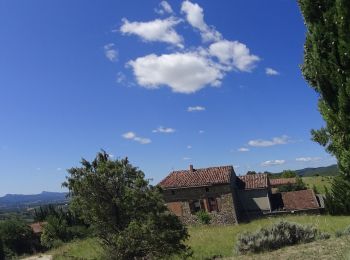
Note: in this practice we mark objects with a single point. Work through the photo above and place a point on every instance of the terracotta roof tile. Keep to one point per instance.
(297, 200)
(254, 181)
(198, 177)
(282, 181)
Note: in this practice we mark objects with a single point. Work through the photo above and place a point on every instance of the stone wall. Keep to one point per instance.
(226, 213)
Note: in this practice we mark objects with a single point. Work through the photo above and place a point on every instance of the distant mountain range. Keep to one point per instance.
(331, 170)
(19, 201)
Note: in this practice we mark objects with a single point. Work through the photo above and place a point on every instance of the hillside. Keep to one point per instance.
(331, 170)
(12, 201)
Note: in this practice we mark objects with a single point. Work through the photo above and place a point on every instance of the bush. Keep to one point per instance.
(203, 217)
(277, 236)
(299, 185)
(345, 232)
(17, 238)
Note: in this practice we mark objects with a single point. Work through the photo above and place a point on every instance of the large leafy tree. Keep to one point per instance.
(327, 69)
(128, 215)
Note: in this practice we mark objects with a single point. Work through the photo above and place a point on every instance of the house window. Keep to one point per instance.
(213, 204)
(196, 205)
(207, 189)
(172, 192)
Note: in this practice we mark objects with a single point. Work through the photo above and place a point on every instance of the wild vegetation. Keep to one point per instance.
(209, 241)
(277, 236)
(127, 214)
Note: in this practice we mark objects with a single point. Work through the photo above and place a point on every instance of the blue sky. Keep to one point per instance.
(167, 84)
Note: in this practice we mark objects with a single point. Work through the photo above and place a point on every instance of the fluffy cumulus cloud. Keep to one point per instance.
(190, 69)
(156, 30)
(271, 72)
(182, 72)
(243, 149)
(196, 109)
(273, 163)
(134, 137)
(234, 53)
(111, 52)
(308, 159)
(284, 139)
(164, 130)
(195, 17)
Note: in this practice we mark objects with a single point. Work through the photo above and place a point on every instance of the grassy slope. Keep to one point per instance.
(319, 181)
(207, 241)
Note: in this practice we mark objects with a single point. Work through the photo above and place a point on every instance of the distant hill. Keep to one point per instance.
(13, 201)
(331, 170)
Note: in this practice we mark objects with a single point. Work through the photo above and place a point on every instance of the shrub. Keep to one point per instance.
(345, 232)
(203, 217)
(277, 236)
(17, 237)
(299, 185)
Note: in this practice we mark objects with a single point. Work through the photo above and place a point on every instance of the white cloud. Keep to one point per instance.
(273, 163)
(186, 158)
(129, 135)
(156, 30)
(165, 130)
(234, 53)
(243, 149)
(284, 139)
(182, 72)
(271, 72)
(195, 109)
(189, 146)
(308, 159)
(165, 8)
(110, 52)
(195, 17)
(58, 169)
(133, 136)
(201, 131)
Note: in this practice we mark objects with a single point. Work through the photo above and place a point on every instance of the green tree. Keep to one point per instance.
(327, 69)
(288, 174)
(128, 215)
(16, 236)
(2, 253)
(337, 198)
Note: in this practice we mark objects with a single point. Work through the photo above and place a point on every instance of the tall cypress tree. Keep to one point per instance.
(327, 69)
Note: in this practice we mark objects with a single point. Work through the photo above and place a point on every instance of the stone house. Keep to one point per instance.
(254, 194)
(227, 198)
(210, 189)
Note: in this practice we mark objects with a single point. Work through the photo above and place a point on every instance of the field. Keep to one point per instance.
(320, 182)
(209, 241)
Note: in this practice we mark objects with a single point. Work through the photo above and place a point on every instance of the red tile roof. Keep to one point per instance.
(255, 181)
(298, 200)
(198, 177)
(37, 227)
(282, 181)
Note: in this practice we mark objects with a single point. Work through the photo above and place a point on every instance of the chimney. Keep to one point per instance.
(191, 168)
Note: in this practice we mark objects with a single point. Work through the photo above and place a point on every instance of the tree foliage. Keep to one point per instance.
(16, 236)
(288, 174)
(327, 68)
(337, 200)
(298, 185)
(127, 214)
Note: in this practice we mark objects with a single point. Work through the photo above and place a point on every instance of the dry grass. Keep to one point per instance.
(209, 241)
